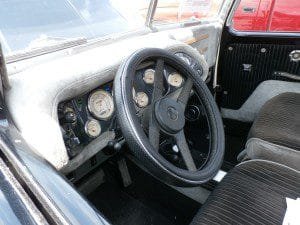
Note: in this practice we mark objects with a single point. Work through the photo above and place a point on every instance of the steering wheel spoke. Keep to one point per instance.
(158, 89)
(154, 133)
(185, 151)
(185, 92)
(158, 86)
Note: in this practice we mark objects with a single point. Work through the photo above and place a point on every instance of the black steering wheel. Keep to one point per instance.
(166, 117)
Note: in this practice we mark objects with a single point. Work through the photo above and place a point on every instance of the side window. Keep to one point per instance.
(267, 16)
(178, 11)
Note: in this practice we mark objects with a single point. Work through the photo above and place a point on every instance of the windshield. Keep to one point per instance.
(26, 24)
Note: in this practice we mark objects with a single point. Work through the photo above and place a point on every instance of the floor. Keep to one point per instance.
(235, 140)
(146, 201)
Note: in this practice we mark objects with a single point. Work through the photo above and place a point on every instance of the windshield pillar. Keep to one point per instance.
(151, 12)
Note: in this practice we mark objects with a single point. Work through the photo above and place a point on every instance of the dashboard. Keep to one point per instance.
(84, 118)
(38, 89)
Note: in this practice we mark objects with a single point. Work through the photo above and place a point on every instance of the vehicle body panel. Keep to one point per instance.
(267, 16)
(286, 16)
(15, 210)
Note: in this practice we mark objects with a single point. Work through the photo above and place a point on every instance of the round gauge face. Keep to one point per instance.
(148, 76)
(101, 104)
(175, 79)
(141, 99)
(92, 128)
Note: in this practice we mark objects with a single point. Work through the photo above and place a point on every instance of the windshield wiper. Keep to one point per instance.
(43, 45)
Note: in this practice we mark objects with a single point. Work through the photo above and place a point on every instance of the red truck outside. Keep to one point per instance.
(267, 16)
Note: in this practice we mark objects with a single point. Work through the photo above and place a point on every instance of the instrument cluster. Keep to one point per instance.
(144, 80)
(86, 117)
(145, 77)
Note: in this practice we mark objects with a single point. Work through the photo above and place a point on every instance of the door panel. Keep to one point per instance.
(245, 63)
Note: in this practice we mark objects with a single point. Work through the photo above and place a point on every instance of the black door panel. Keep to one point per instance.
(245, 62)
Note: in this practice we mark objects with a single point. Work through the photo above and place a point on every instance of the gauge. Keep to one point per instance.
(101, 104)
(148, 76)
(175, 79)
(141, 99)
(184, 57)
(92, 128)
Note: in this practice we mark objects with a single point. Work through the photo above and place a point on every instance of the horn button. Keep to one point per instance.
(170, 115)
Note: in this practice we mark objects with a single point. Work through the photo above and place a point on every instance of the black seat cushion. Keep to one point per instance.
(278, 121)
(254, 192)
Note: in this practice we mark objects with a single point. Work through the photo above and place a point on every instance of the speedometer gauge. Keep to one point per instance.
(101, 104)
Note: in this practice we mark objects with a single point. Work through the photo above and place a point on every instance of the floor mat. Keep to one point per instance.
(121, 209)
(175, 206)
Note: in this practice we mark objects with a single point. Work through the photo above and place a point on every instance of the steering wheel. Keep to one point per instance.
(166, 117)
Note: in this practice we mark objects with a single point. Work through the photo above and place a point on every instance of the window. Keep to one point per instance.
(177, 11)
(27, 24)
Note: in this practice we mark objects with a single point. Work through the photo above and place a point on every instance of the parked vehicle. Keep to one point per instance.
(267, 16)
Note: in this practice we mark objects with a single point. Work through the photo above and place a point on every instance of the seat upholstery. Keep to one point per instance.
(275, 133)
(260, 149)
(254, 192)
(278, 121)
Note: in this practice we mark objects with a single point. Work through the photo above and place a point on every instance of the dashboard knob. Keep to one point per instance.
(70, 117)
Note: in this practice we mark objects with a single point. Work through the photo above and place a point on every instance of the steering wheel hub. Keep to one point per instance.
(169, 115)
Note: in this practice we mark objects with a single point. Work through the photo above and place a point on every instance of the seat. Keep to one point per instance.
(254, 192)
(278, 121)
(275, 133)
